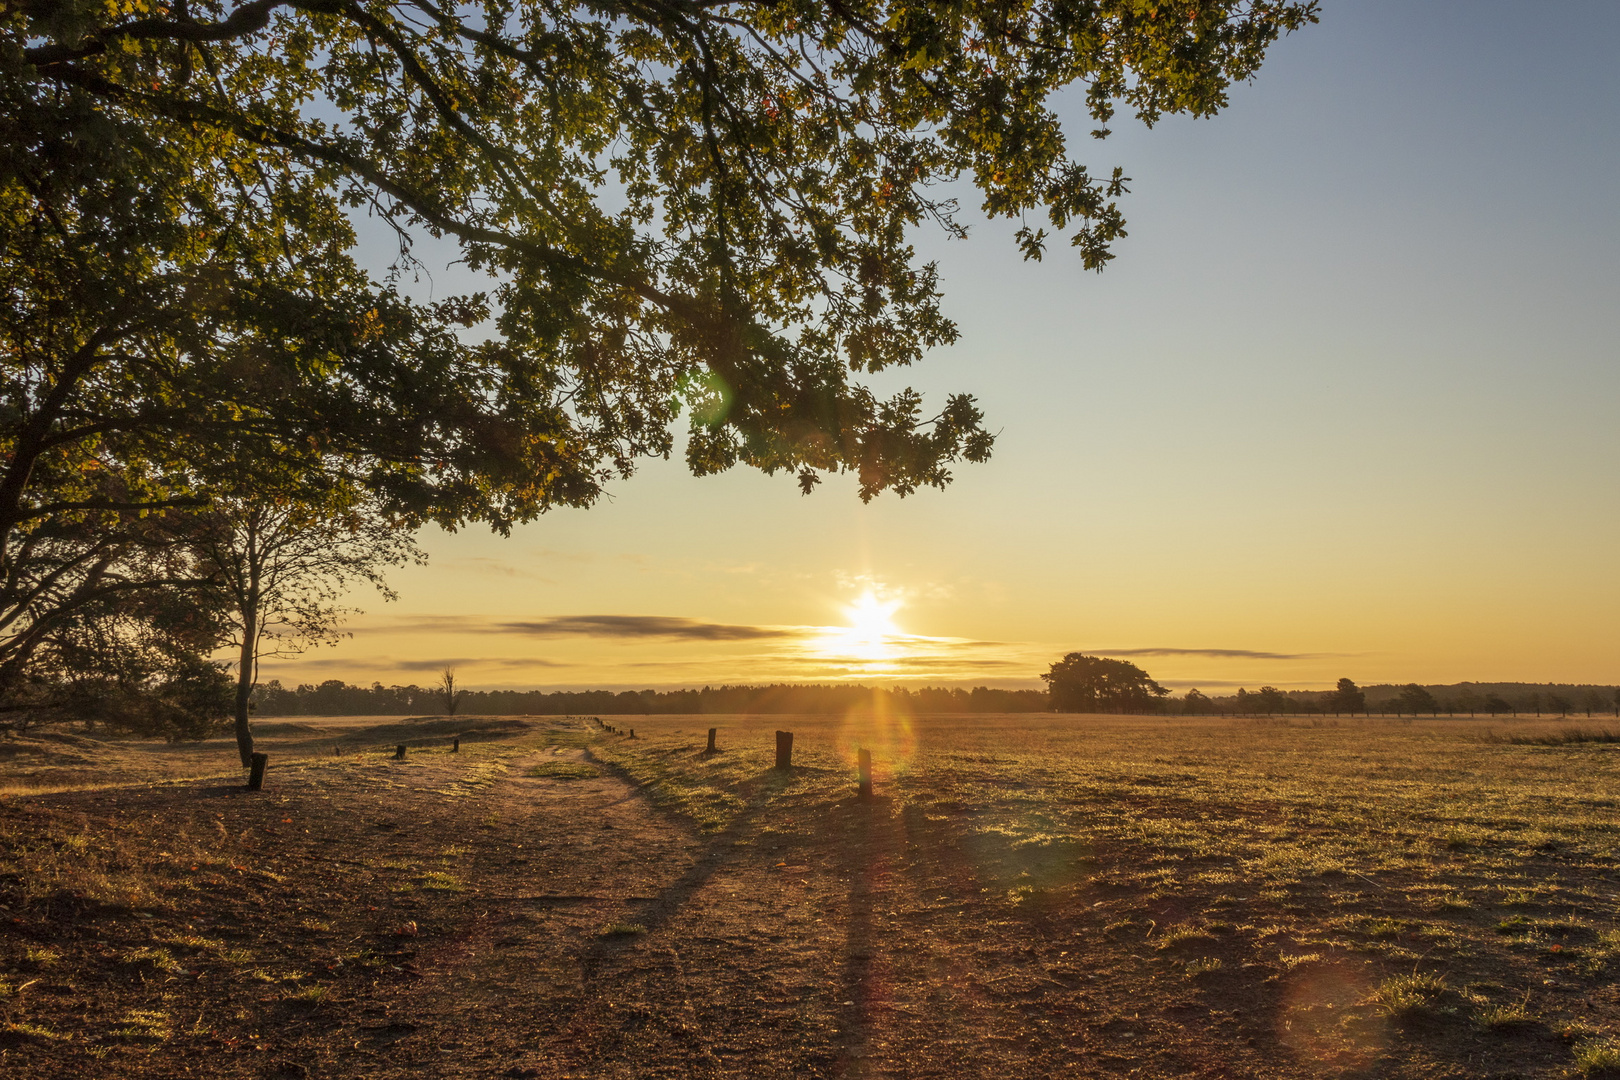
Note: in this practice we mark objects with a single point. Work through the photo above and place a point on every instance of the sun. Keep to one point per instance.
(871, 620)
(871, 638)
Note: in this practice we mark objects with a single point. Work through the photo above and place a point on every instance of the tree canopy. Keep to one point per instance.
(1348, 697)
(690, 204)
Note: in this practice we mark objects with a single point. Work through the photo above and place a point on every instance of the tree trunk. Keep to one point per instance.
(244, 688)
(247, 668)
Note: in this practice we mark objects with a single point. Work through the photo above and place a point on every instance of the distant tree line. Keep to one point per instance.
(337, 698)
(1099, 684)
(1411, 699)
(1078, 683)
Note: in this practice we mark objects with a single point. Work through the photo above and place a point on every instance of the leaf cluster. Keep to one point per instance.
(698, 205)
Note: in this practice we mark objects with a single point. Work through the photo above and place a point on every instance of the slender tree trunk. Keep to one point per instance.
(247, 668)
(244, 683)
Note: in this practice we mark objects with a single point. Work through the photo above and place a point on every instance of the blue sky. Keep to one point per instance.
(1346, 396)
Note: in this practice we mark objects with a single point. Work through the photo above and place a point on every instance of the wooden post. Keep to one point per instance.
(632, 733)
(455, 745)
(710, 748)
(399, 752)
(863, 760)
(784, 749)
(256, 773)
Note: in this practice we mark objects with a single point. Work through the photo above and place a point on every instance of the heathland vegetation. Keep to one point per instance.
(1024, 895)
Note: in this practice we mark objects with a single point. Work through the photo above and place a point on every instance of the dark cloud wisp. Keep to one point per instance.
(643, 626)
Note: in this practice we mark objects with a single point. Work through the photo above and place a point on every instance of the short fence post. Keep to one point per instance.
(632, 733)
(256, 771)
(863, 760)
(710, 748)
(784, 749)
(455, 745)
(399, 752)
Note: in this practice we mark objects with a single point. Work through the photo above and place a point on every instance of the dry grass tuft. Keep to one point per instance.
(619, 929)
(1597, 1058)
(564, 770)
(1404, 996)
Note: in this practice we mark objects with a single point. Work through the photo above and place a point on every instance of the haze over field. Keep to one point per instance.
(1344, 405)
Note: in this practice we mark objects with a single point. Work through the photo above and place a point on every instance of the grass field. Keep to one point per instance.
(1027, 895)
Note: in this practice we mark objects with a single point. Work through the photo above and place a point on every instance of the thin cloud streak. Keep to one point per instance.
(644, 626)
(1229, 654)
(386, 664)
(608, 626)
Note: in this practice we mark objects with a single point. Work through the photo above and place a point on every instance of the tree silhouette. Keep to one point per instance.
(278, 564)
(448, 694)
(1415, 699)
(1349, 698)
(1081, 683)
(1271, 701)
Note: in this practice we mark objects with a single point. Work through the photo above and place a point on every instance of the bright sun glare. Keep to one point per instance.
(870, 636)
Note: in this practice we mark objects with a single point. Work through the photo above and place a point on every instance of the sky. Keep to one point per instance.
(1344, 405)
